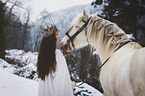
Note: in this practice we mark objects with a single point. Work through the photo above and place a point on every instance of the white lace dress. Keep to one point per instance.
(58, 83)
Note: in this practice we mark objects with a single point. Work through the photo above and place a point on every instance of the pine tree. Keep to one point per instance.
(126, 13)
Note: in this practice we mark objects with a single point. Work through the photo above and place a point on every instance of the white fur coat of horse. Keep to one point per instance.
(124, 72)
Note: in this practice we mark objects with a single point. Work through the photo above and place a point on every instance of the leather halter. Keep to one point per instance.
(71, 38)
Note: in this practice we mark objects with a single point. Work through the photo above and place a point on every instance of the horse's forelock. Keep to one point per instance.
(77, 19)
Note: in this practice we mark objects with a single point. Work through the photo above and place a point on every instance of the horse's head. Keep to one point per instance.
(75, 37)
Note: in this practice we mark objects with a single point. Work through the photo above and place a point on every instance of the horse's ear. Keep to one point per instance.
(85, 13)
(96, 13)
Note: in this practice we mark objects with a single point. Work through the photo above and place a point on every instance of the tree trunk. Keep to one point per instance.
(2, 25)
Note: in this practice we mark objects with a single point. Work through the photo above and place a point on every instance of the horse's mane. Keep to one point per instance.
(107, 36)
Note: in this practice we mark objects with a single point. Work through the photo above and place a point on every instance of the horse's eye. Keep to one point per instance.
(77, 26)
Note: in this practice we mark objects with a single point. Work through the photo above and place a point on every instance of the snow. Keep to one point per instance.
(7, 66)
(28, 57)
(85, 87)
(130, 36)
(95, 52)
(14, 85)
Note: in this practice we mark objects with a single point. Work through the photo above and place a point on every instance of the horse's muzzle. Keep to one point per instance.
(65, 48)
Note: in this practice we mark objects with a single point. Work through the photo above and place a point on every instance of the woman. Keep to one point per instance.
(51, 67)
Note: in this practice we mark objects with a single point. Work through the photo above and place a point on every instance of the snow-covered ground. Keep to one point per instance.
(86, 90)
(14, 85)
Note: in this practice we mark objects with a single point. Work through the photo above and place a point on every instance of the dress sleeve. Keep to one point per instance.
(62, 83)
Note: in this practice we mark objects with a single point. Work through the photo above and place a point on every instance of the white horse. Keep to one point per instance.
(123, 70)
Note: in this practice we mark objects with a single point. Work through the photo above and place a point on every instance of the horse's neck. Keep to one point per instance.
(106, 37)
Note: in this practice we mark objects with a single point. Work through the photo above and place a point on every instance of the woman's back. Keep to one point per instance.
(57, 83)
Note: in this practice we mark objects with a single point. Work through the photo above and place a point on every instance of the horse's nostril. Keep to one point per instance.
(61, 43)
(63, 47)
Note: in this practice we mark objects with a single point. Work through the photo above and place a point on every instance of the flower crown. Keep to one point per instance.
(49, 31)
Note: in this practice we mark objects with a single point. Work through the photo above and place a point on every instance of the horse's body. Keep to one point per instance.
(124, 72)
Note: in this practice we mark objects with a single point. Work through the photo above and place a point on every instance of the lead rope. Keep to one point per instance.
(110, 55)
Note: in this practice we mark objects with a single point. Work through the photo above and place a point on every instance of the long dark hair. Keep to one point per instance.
(46, 63)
